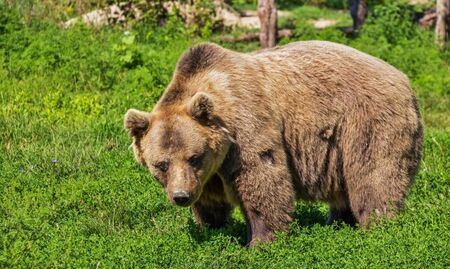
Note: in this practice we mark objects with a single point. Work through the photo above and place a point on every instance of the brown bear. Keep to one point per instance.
(310, 120)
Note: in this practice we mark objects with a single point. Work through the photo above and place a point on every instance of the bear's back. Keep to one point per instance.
(335, 66)
(320, 77)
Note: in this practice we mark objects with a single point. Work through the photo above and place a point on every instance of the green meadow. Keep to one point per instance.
(72, 195)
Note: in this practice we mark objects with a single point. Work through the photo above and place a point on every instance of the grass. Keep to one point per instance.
(306, 14)
(73, 196)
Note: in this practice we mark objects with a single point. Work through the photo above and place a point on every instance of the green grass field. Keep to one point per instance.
(73, 196)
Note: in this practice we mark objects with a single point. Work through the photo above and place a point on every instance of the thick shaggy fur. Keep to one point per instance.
(310, 120)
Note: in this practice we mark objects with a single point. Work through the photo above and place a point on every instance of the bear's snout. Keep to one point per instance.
(181, 198)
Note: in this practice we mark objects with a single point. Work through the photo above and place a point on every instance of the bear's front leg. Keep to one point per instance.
(212, 207)
(267, 200)
(258, 228)
(216, 215)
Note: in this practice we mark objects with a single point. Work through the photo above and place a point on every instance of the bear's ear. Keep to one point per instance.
(201, 106)
(136, 122)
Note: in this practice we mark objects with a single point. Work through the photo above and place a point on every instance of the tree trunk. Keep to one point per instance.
(267, 13)
(358, 10)
(442, 22)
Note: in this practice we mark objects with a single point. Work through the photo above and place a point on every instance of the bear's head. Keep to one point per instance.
(182, 145)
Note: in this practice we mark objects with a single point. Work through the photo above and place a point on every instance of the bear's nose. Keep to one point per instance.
(181, 198)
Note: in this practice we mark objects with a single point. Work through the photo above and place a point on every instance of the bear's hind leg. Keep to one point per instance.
(370, 202)
(380, 159)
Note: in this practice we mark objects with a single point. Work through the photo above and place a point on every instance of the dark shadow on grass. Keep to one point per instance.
(308, 214)
(305, 215)
(234, 229)
(348, 31)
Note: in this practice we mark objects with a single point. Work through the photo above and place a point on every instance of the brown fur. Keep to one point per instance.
(310, 120)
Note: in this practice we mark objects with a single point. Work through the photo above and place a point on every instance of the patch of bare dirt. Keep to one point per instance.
(323, 23)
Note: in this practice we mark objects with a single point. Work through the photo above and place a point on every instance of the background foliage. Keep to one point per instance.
(71, 194)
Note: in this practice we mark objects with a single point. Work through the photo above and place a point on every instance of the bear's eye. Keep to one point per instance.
(162, 166)
(195, 160)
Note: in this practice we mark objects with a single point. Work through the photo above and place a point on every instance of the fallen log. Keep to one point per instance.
(113, 14)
